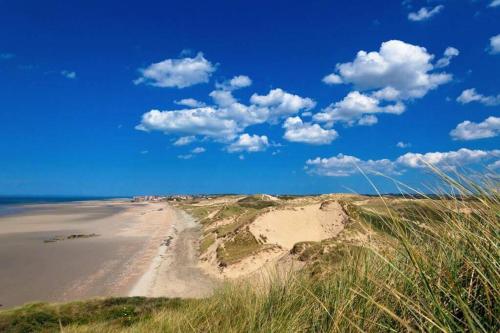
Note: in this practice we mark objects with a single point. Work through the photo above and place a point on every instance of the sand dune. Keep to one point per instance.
(276, 229)
(286, 227)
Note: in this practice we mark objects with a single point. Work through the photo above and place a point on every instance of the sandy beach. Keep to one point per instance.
(70, 251)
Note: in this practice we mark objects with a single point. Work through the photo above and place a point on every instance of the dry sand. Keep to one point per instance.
(286, 227)
(174, 272)
(280, 229)
(132, 238)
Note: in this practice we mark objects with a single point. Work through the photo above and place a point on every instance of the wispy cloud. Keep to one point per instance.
(68, 74)
(198, 150)
(494, 3)
(191, 102)
(471, 95)
(425, 13)
(184, 140)
(402, 144)
(6, 56)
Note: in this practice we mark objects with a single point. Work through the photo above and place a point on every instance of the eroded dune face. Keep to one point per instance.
(287, 227)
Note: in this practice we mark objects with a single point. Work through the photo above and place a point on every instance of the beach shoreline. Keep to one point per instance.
(79, 250)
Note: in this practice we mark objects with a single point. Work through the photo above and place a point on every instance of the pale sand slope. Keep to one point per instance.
(174, 272)
(107, 265)
(282, 227)
(286, 227)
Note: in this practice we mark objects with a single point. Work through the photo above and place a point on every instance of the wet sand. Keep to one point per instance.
(110, 264)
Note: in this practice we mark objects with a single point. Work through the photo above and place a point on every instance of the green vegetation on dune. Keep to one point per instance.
(256, 202)
(235, 241)
(114, 312)
(229, 211)
(241, 246)
(240, 221)
(199, 213)
(437, 272)
(206, 241)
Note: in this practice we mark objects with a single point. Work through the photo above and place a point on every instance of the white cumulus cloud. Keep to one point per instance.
(223, 98)
(180, 73)
(469, 130)
(249, 143)
(237, 82)
(201, 121)
(345, 165)
(298, 131)
(398, 71)
(281, 104)
(191, 102)
(354, 108)
(402, 66)
(368, 120)
(332, 79)
(494, 44)
(225, 120)
(471, 95)
(449, 53)
(447, 160)
(425, 13)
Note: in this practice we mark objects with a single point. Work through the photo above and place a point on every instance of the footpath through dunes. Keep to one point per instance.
(174, 272)
(247, 235)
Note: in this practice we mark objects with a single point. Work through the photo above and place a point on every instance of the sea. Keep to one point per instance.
(10, 205)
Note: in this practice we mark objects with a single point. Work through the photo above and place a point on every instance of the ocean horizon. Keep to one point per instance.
(10, 205)
(41, 199)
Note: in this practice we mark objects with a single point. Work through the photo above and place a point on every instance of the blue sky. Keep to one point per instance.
(284, 97)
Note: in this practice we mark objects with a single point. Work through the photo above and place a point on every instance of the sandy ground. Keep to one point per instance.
(279, 229)
(175, 271)
(286, 227)
(133, 237)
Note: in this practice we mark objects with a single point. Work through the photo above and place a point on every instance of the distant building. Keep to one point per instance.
(158, 198)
